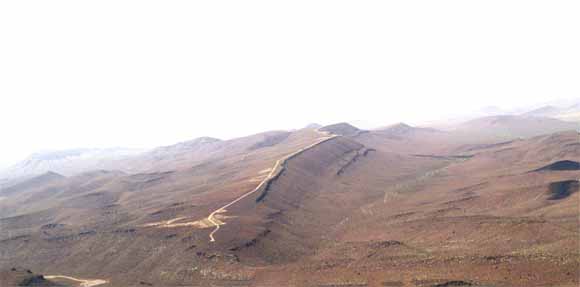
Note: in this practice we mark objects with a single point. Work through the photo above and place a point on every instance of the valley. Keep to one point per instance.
(328, 206)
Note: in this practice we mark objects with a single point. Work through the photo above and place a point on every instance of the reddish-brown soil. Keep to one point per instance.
(399, 206)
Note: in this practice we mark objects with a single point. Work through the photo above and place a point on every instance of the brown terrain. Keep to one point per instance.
(20, 277)
(493, 203)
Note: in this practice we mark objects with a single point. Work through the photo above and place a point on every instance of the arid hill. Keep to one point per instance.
(511, 126)
(343, 129)
(400, 206)
(67, 162)
(19, 277)
(545, 111)
(566, 113)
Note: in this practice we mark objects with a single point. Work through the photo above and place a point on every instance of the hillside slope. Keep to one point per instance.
(401, 206)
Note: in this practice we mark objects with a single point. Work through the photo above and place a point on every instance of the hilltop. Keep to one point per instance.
(395, 206)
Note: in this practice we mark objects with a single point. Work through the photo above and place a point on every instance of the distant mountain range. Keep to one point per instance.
(539, 121)
(564, 110)
(68, 162)
(567, 113)
(327, 206)
(512, 126)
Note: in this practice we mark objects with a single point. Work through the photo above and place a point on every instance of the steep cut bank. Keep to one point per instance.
(282, 165)
(291, 204)
(561, 165)
(562, 189)
(264, 185)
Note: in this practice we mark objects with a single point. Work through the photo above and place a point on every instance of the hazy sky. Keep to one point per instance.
(148, 73)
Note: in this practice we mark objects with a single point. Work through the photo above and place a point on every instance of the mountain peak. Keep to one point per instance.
(190, 143)
(400, 125)
(313, 126)
(398, 128)
(51, 174)
(343, 129)
(543, 111)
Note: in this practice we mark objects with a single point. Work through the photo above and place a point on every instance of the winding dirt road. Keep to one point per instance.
(83, 282)
(277, 168)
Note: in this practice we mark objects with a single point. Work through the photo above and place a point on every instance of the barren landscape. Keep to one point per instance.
(259, 143)
(329, 206)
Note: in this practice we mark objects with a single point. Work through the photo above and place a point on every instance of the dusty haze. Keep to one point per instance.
(141, 74)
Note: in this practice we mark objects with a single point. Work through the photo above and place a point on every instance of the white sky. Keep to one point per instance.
(148, 73)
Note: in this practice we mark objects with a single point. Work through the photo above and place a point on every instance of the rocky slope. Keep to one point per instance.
(401, 206)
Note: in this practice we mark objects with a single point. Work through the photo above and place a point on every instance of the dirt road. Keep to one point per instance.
(277, 168)
(82, 282)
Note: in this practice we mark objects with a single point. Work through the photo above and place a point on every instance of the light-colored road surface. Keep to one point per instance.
(279, 164)
(82, 282)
